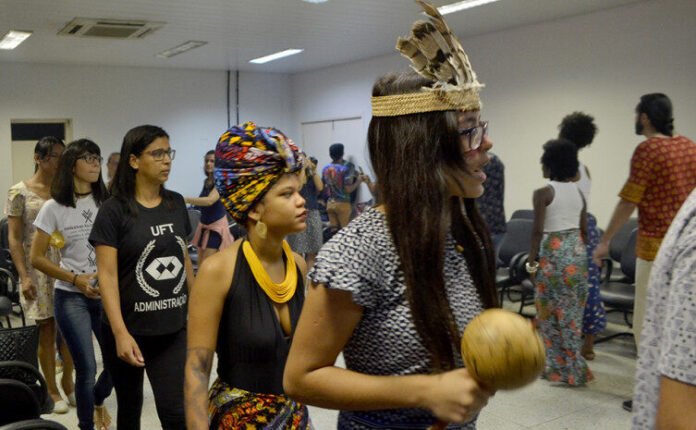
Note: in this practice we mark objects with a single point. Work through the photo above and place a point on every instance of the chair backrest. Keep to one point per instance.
(628, 256)
(36, 424)
(7, 263)
(32, 378)
(523, 214)
(20, 344)
(24, 405)
(618, 242)
(517, 239)
(194, 216)
(4, 234)
(237, 230)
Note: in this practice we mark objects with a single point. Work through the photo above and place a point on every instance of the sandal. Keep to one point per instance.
(102, 419)
(589, 355)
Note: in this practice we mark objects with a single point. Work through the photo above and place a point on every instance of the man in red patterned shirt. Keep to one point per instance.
(663, 173)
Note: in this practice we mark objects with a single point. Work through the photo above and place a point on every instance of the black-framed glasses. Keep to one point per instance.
(91, 158)
(475, 135)
(158, 154)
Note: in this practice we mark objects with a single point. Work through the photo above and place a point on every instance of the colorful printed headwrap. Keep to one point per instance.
(248, 161)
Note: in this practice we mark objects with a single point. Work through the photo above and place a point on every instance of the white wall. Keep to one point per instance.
(599, 63)
(265, 99)
(105, 102)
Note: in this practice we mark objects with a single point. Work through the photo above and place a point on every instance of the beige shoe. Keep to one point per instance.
(102, 419)
(60, 407)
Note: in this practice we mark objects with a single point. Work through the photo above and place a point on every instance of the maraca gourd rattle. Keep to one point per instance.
(502, 351)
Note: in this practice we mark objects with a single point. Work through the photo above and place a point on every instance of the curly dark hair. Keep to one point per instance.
(579, 128)
(561, 159)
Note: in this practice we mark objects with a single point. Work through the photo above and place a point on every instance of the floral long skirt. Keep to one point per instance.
(595, 316)
(234, 409)
(561, 293)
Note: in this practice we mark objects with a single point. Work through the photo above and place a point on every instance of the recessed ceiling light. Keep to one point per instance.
(13, 38)
(277, 55)
(186, 46)
(461, 5)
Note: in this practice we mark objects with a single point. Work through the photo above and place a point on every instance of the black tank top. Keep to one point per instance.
(252, 347)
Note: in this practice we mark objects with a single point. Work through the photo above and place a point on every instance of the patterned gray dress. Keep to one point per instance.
(361, 259)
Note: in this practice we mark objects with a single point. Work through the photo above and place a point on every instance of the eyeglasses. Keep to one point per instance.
(91, 158)
(475, 135)
(158, 154)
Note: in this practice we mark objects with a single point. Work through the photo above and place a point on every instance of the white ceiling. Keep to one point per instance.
(336, 32)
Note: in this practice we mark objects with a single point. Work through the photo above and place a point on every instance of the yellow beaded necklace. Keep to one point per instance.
(279, 293)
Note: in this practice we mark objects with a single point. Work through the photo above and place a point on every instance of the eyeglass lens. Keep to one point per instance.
(158, 154)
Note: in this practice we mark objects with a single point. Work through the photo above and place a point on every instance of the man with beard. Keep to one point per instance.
(663, 174)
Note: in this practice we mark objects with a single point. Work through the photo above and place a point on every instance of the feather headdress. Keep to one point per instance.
(435, 53)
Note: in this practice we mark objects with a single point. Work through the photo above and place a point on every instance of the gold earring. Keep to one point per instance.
(261, 229)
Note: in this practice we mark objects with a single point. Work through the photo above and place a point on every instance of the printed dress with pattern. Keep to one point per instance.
(25, 204)
(561, 293)
(362, 259)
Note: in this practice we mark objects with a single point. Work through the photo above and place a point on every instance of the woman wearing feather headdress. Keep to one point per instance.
(395, 288)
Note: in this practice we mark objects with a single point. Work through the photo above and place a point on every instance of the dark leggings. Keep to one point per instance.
(165, 356)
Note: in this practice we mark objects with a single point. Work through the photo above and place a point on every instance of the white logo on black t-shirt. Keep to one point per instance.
(160, 269)
(164, 268)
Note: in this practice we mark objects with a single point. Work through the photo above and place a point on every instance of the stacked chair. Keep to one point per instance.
(9, 285)
(617, 290)
(512, 277)
(23, 393)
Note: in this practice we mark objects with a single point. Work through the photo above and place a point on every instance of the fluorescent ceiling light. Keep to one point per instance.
(277, 55)
(187, 46)
(461, 5)
(315, 1)
(13, 38)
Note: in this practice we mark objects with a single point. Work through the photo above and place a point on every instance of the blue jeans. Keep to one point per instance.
(78, 317)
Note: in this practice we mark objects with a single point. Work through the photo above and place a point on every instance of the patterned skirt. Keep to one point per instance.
(561, 293)
(595, 317)
(231, 408)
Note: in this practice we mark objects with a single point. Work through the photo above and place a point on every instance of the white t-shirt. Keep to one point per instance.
(668, 340)
(75, 224)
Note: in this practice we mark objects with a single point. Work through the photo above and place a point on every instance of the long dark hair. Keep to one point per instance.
(63, 186)
(209, 179)
(658, 108)
(123, 183)
(44, 147)
(410, 155)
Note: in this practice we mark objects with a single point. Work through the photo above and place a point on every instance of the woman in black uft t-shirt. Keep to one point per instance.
(144, 274)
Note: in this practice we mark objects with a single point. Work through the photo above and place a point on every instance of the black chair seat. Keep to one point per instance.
(514, 246)
(618, 295)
